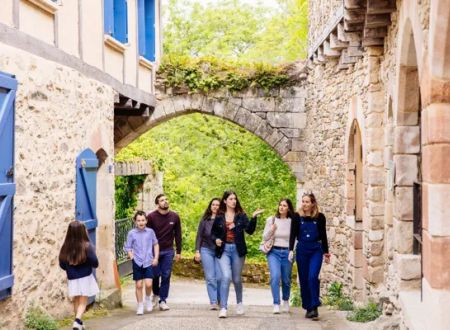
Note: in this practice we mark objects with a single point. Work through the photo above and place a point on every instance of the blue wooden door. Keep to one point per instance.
(8, 87)
(86, 191)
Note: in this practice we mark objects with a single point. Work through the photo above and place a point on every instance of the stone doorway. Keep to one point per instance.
(407, 161)
(355, 202)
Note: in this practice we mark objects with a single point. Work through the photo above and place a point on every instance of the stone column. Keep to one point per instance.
(373, 213)
(436, 211)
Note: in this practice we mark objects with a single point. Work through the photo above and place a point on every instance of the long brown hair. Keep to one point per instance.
(315, 207)
(76, 243)
(208, 212)
(223, 208)
(291, 211)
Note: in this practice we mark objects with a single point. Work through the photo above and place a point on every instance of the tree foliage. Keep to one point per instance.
(201, 157)
(234, 29)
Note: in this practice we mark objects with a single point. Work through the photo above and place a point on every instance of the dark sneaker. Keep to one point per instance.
(308, 314)
(315, 314)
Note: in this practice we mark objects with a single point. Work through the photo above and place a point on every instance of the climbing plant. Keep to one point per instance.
(127, 188)
(208, 74)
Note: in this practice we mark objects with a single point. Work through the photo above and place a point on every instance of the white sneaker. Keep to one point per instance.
(140, 309)
(276, 309)
(148, 304)
(77, 326)
(285, 307)
(223, 313)
(213, 307)
(163, 306)
(240, 309)
(155, 300)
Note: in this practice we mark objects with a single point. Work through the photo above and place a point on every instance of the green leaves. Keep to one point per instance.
(202, 156)
(236, 30)
(208, 74)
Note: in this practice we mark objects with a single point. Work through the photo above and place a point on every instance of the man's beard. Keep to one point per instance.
(165, 208)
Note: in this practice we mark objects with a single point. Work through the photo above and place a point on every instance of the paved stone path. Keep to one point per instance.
(189, 310)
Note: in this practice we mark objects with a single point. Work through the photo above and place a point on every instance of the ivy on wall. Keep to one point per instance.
(210, 74)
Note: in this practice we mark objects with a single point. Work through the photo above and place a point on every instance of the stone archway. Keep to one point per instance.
(355, 202)
(278, 118)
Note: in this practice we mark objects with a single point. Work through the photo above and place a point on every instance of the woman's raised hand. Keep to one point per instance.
(257, 212)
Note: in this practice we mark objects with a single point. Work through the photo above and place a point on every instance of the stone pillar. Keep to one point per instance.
(436, 211)
(373, 213)
(106, 229)
(153, 185)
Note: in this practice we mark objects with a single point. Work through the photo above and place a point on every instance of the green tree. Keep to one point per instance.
(202, 156)
(236, 30)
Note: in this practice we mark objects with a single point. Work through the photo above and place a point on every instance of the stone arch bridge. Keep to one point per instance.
(277, 117)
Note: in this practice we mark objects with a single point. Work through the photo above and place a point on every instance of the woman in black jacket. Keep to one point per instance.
(205, 252)
(228, 235)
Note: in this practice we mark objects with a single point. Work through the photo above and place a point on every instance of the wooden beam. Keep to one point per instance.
(379, 32)
(349, 27)
(328, 52)
(354, 4)
(335, 43)
(374, 21)
(380, 6)
(355, 15)
(372, 42)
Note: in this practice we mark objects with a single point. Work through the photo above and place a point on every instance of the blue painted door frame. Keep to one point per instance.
(86, 191)
(8, 87)
(86, 194)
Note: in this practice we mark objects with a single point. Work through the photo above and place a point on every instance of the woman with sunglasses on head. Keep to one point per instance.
(228, 234)
(309, 229)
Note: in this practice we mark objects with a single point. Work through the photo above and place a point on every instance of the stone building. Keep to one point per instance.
(70, 69)
(375, 150)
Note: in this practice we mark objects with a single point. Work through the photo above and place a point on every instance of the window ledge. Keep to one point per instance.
(145, 63)
(115, 44)
(46, 5)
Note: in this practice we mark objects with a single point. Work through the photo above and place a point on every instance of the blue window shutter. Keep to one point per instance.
(109, 17)
(121, 20)
(150, 29)
(146, 29)
(8, 87)
(141, 27)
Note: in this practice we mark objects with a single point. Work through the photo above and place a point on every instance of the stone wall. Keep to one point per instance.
(331, 93)
(320, 12)
(253, 272)
(59, 113)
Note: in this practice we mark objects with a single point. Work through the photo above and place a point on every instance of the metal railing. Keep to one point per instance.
(123, 226)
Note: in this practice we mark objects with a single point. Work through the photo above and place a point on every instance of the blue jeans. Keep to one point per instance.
(212, 272)
(309, 261)
(280, 269)
(231, 266)
(162, 272)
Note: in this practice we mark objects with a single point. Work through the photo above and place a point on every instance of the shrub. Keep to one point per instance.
(38, 319)
(296, 299)
(365, 314)
(336, 298)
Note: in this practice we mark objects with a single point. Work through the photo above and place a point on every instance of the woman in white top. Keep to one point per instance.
(279, 228)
